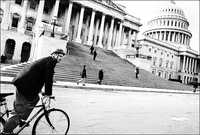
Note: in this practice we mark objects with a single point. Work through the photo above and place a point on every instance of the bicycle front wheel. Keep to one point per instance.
(2, 122)
(59, 120)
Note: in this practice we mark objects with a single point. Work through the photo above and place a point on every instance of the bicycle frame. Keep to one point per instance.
(27, 123)
(7, 111)
(42, 109)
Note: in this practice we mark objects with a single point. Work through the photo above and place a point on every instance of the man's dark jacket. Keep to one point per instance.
(31, 79)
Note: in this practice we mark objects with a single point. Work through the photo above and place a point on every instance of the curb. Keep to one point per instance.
(8, 80)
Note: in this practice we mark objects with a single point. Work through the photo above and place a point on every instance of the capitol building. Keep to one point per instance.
(166, 43)
(31, 29)
(101, 23)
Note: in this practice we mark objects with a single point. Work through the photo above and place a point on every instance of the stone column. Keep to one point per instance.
(190, 65)
(129, 38)
(110, 34)
(122, 36)
(39, 16)
(136, 33)
(173, 37)
(96, 31)
(37, 31)
(169, 35)
(68, 18)
(164, 36)
(101, 31)
(183, 68)
(160, 35)
(78, 38)
(177, 37)
(195, 67)
(182, 39)
(86, 30)
(90, 35)
(21, 27)
(187, 63)
(119, 35)
(192, 68)
(56, 7)
(185, 40)
(189, 41)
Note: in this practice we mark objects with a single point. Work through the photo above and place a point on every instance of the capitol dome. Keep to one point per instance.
(170, 25)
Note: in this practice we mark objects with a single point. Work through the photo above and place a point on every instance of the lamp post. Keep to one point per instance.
(54, 24)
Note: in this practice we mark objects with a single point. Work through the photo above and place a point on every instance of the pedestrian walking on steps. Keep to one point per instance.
(91, 49)
(100, 76)
(67, 45)
(29, 83)
(137, 72)
(83, 76)
(94, 55)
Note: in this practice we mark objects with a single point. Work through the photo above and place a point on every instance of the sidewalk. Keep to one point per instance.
(74, 85)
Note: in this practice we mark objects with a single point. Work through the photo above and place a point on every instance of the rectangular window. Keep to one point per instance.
(29, 26)
(15, 21)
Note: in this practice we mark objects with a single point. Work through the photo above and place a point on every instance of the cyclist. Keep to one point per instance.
(29, 83)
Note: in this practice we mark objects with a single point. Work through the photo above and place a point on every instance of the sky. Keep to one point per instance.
(146, 10)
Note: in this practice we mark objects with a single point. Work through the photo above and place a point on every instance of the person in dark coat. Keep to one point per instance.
(91, 49)
(95, 54)
(137, 72)
(100, 76)
(29, 83)
(83, 76)
(3, 59)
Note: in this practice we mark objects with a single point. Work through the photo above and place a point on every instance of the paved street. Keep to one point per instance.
(118, 112)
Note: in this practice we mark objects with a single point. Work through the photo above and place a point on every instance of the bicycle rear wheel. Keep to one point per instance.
(59, 120)
(2, 122)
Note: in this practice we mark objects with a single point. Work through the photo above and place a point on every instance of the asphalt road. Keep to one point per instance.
(118, 112)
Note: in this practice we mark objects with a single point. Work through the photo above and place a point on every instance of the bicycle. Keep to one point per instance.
(56, 120)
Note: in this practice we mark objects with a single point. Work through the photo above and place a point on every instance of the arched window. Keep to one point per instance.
(9, 48)
(171, 65)
(159, 74)
(170, 76)
(25, 53)
(154, 61)
(167, 63)
(160, 62)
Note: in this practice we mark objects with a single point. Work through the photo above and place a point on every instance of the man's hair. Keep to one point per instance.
(58, 51)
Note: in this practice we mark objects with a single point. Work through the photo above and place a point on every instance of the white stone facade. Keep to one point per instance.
(167, 41)
(99, 22)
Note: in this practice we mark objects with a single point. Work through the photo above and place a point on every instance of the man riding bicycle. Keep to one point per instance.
(29, 83)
